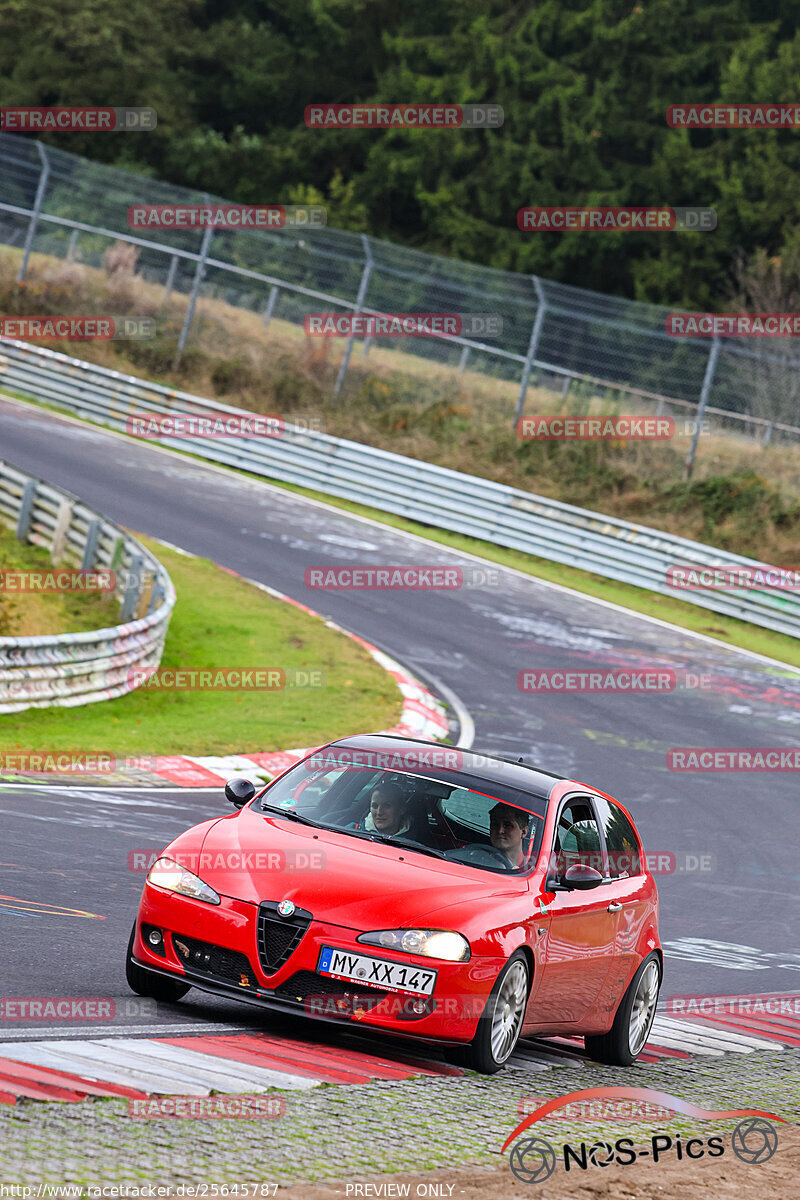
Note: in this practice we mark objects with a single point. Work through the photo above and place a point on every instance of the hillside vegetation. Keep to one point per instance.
(584, 88)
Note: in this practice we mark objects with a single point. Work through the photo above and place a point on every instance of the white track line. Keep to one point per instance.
(42, 1033)
(713, 1035)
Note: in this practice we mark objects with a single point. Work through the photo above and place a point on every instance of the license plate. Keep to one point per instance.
(376, 972)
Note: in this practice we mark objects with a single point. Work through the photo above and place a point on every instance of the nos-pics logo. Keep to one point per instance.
(754, 1140)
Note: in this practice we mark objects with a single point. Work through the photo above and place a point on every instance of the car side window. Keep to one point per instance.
(624, 859)
(577, 839)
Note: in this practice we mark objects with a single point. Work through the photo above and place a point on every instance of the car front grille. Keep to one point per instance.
(279, 937)
(228, 966)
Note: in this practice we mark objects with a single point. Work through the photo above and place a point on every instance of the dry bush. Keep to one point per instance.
(120, 259)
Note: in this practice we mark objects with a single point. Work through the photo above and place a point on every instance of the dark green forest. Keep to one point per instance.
(584, 87)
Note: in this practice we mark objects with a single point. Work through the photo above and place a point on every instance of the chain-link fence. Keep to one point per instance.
(553, 334)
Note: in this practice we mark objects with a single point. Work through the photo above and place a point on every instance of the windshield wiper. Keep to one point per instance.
(391, 841)
(290, 815)
(386, 841)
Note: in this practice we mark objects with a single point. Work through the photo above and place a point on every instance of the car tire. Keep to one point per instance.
(501, 1020)
(627, 1037)
(148, 983)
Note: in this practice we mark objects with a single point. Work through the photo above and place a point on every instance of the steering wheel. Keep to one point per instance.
(474, 849)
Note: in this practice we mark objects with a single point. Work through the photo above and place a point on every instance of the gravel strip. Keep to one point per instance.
(352, 1132)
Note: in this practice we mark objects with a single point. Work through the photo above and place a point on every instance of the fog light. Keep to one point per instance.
(154, 937)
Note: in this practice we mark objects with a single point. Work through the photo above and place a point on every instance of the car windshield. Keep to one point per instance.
(461, 819)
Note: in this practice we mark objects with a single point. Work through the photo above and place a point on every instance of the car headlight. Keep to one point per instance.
(433, 943)
(169, 875)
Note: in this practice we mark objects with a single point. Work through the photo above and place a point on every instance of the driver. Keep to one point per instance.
(507, 827)
(387, 811)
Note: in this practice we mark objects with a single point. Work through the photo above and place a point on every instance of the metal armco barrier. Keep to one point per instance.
(70, 669)
(420, 491)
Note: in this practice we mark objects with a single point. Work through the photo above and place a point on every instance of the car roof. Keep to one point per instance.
(476, 765)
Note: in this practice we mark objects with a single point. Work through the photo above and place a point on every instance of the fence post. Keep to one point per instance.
(90, 545)
(198, 279)
(362, 291)
(26, 510)
(73, 241)
(768, 434)
(462, 362)
(37, 208)
(533, 345)
(273, 300)
(133, 585)
(173, 266)
(705, 392)
(63, 522)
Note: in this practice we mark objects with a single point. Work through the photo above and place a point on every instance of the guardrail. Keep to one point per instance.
(420, 491)
(71, 669)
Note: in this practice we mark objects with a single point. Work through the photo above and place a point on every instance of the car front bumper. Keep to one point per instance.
(216, 949)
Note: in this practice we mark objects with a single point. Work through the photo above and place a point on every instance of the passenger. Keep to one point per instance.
(387, 812)
(507, 827)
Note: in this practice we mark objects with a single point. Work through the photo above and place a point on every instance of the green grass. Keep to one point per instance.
(221, 622)
(32, 613)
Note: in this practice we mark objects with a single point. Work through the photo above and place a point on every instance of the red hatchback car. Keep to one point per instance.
(418, 889)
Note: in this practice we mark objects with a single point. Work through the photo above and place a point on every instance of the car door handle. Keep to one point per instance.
(615, 907)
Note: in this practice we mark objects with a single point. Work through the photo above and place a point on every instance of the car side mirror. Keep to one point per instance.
(239, 792)
(582, 878)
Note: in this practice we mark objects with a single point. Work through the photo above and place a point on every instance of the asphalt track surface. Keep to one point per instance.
(67, 848)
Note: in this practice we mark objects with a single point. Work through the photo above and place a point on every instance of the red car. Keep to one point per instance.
(417, 889)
